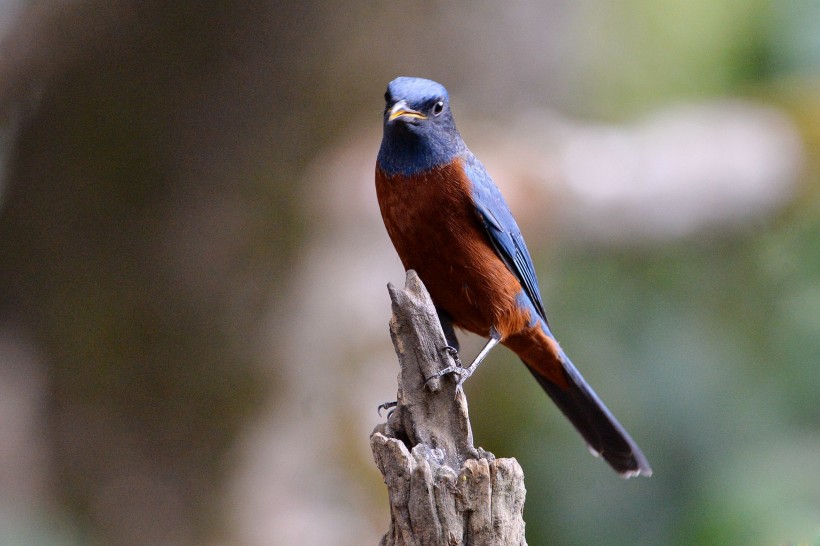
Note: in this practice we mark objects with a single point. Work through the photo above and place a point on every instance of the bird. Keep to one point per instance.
(449, 222)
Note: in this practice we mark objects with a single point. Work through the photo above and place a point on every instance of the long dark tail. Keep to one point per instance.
(603, 433)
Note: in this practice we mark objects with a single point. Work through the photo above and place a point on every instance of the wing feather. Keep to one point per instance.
(503, 231)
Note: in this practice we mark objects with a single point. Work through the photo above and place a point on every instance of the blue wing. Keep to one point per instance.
(503, 231)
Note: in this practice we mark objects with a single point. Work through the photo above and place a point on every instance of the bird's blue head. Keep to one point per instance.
(419, 130)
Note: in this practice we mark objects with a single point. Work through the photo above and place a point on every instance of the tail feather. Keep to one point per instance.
(603, 433)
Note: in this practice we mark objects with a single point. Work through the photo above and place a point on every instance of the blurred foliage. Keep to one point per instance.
(708, 348)
(639, 55)
(139, 266)
(152, 215)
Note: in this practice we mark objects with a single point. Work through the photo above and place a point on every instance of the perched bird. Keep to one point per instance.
(449, 222)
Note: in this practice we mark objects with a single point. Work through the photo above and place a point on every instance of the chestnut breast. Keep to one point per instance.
(436, 230)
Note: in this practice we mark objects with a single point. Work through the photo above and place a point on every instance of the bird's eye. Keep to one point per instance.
(438, 108)
(387, 96)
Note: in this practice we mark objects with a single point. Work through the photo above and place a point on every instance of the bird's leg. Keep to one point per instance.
(449, 332)
(495, 338)
(462, 372)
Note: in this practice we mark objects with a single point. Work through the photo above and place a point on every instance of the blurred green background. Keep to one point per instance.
(193, 320)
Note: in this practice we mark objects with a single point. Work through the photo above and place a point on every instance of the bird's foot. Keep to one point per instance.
(463, 375)
(456, 368)
(385, 406)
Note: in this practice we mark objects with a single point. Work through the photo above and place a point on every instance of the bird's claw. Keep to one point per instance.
(457, 368)
(442, 372)
(453, 352)
(385, 406)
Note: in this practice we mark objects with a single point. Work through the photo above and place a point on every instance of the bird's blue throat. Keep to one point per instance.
(407, 150)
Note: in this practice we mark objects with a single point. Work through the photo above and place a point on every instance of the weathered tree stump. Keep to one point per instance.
(442, 489)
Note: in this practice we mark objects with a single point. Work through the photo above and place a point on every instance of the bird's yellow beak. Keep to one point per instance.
(400, 110)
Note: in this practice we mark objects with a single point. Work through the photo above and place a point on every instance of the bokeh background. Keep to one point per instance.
(193, 314)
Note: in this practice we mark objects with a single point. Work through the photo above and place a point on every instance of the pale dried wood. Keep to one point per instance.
(442, 490)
